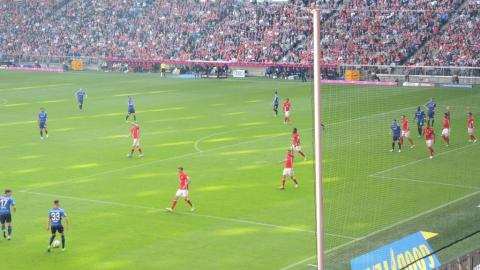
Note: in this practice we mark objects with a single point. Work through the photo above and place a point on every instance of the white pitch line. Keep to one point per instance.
(404, 221)
(420, 160)
(234, 220)
(299, 262)
(35, 87)
(386, 228)
(426, 182)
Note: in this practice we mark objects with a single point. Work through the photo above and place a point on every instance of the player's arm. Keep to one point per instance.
(188, 182)
(67, 223)
(14, 206)
(49, 223)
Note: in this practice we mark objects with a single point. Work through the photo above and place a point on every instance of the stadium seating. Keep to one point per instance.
(233, 30)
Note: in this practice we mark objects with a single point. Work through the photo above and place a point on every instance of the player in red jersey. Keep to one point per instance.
(296, 143)
(288, 170)
(182, 191)
(429, 134)
(446, 128)
(286, 110)
(471, 128)
(135, 133)
(406, 132)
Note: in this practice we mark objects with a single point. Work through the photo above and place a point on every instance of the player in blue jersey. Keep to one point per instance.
(431, 106)
(6, 205)
(131, 109)
(420, 117)
(396, 132)
(55, 217)
(276, 101)
(81, 95)
(42, 122)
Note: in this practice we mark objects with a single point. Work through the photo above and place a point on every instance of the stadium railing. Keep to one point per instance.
(471, 261)
(390, 73)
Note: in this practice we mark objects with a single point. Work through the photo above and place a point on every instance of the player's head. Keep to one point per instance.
(469, 114)
(276, 92)
(42, 109)
(394, 121)
(180, 169)
(7, 192)
(418, 108)
(56, 203)
(289, 151)
(287, 99)
(431, 98)
(446, 114)
(294, 130)
(403, 116)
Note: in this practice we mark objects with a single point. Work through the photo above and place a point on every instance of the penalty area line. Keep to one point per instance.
(425, 182)
(420, 160)
(226, 219)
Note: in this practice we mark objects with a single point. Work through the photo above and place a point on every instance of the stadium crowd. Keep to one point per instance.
(353, 32)
(459, 43)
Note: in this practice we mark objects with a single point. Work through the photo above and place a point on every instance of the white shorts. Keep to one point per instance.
(446, 132)
(429, 143)
(297, 148)
(182, 193)
(287, 113)
(136, 142)
(406, 133)
(288, 172)
(470, 131)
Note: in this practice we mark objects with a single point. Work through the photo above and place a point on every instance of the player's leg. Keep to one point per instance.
(399, 146)
(9, 226)
(128, 115)
(433, 120)
(134, 116)
(294, 179)
(393, 145)
(401, 138)
(3, 221)
(283, 181)
(61, 231)
(189, 202)
(419, 128)
(52, 237)
(46, 132)
(174, 203)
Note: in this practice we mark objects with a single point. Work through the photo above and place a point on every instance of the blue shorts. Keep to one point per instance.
(56, 228)
(421, 123)
(42, 125)
(275, 106)
(431, 114)
(131, 110)
(396, 138)
(80, 101)
(5, 218)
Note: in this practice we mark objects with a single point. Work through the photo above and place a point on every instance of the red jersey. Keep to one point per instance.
(289, 161)
(446, 122)
(183, 177)
(295, 139)
(470, 122)
(286, 106)
(405, 124)
(429, 133)
(135, 131)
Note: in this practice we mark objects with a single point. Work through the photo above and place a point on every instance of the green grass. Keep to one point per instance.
(224, 134)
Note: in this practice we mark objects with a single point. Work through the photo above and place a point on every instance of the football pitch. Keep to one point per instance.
(225, 136)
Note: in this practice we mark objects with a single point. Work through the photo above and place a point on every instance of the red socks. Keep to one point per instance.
(173, 204)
